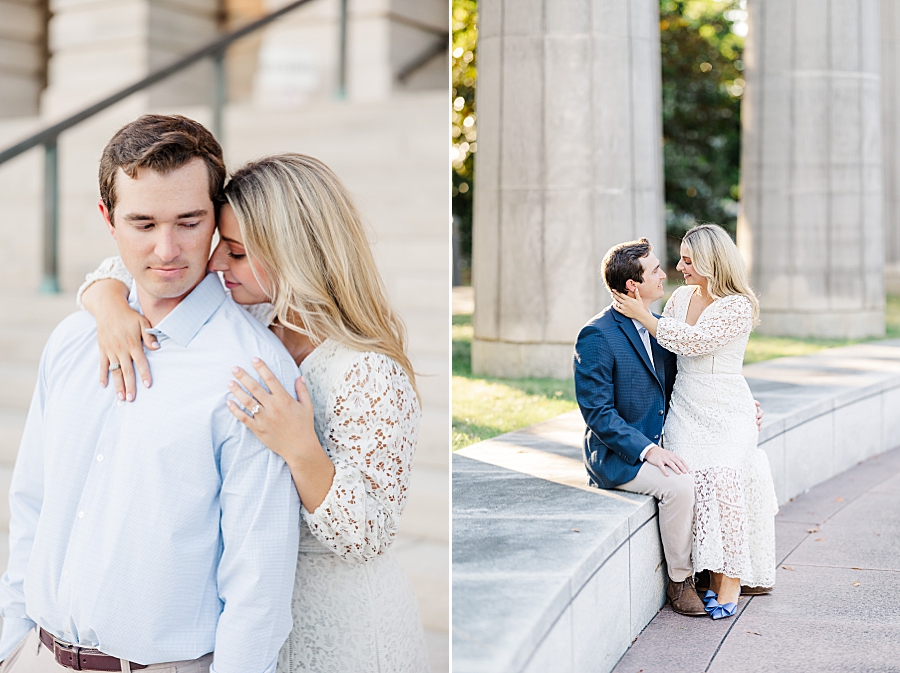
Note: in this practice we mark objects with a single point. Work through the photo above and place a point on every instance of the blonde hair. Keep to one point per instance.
(299, 224)
(715, 257)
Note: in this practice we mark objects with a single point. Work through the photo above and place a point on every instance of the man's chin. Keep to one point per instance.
(171, 289)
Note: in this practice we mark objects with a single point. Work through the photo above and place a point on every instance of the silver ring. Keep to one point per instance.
(255, 409)
(114, 367)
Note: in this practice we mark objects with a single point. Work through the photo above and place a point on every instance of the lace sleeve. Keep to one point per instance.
(371, 437)
(732, 317)
(669, 310)
(110, 268)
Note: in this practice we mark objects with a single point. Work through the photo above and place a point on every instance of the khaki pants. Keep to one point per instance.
(31, 656)
(676, 514)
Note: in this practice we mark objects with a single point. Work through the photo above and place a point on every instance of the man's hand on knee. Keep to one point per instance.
(662, 459)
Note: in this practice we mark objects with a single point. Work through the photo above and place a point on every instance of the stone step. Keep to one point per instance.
(18, 385)
(12, 423)
(23, 344)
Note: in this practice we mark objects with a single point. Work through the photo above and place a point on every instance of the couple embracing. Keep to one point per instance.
(669, 414)
(233, 510)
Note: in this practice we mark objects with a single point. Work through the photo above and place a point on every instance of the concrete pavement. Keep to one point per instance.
(836, 604)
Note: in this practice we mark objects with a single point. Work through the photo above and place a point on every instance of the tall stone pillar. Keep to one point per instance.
(890, 106)
(22, 56)
(811, 167)
(99, 46)
(569, 163)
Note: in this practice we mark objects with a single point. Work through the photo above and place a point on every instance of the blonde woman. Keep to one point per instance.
(292, 247)
(711, 423)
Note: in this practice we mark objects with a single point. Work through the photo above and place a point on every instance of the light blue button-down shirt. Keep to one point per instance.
(160, 529)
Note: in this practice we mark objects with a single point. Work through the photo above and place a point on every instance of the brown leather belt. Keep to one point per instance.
(82, 659)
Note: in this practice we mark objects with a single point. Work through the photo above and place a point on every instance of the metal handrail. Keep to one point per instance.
(214, 48)
(48, 137)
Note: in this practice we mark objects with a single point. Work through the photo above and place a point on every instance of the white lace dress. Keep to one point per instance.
(712, 425)
(354, 608)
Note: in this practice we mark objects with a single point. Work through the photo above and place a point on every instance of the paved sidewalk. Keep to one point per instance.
(836, 605)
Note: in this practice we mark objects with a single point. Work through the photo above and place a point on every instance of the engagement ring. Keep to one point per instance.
(114, 367)
(255, 409)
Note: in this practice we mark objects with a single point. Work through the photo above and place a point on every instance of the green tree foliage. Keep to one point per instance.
(465, 36)
(702, 87)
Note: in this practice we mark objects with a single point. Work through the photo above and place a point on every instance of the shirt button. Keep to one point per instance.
(80, 515)
(100, 457)
(119, 403)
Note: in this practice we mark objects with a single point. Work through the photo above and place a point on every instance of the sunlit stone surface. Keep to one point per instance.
(569, 162)
(811, 167)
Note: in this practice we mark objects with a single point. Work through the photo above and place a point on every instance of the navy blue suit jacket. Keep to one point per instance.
(623, 398)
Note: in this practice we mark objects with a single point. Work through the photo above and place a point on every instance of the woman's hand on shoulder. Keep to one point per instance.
(121, 337)
(283, 424)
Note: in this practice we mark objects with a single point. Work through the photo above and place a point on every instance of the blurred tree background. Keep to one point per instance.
(702, 42)
(465, 36)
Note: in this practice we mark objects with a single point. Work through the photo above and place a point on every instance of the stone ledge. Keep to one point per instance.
(532, 594)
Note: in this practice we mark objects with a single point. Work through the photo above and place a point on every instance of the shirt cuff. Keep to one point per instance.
(14, 631)
(644, 452)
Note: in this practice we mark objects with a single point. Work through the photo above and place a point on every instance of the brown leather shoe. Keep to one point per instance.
(684, 599)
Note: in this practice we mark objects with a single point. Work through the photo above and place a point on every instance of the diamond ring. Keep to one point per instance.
(114, 367)
(255, 409)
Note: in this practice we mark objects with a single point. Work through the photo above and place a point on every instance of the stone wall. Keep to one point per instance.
(22, 56)
(549, 574)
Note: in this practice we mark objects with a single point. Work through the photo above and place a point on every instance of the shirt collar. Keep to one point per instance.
(637, 325)
(185, 320)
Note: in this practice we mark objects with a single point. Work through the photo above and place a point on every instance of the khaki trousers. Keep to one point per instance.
(31, 656)
(676, 514)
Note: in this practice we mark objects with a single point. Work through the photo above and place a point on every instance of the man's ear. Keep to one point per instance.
(106, 217)
(630, 285)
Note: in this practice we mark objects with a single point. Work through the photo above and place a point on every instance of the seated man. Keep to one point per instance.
(623, 382)
(157, 534)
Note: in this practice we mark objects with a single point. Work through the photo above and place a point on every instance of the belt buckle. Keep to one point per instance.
(71, 651)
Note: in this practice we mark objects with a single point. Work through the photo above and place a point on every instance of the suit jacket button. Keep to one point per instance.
(661, 412)
(655, 436)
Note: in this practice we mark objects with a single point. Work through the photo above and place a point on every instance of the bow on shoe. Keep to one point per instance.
(708, 596)
(720, 611)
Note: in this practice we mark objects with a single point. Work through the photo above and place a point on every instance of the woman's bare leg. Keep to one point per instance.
(726, 588)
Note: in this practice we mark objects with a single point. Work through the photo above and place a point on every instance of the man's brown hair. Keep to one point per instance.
(623, 262)
(161, 143)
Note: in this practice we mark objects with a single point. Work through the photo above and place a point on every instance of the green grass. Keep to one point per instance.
(487, 407)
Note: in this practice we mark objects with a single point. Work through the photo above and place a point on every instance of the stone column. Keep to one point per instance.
(99, 46)
(890, 106)
(811, 167)
(299, 57)
(569, 163)
(22, 56)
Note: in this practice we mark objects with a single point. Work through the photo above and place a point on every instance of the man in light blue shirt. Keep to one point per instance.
(161, 530)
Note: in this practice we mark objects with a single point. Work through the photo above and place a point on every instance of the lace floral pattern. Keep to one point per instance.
(369, 431)
(712, 425)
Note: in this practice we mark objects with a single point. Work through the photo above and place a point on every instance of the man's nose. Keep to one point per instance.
(167, 248)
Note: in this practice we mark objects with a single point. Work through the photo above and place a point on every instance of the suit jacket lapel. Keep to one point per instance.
(628, 327)
(659, 360)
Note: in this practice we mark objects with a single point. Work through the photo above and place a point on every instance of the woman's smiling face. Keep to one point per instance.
(230, 259)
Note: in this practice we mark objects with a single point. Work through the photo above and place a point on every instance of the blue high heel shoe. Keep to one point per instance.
(719, 611)
(709, 594)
